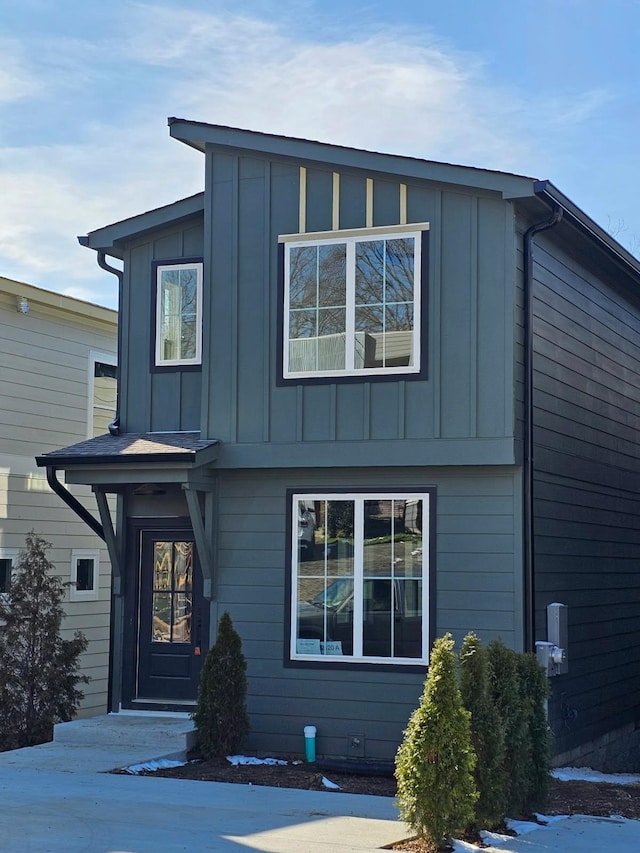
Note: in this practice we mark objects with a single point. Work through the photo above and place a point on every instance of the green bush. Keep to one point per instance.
(38, 669)
(435, 762)
(221, 715)
(534, 687)
(514, 713)
(487, 733)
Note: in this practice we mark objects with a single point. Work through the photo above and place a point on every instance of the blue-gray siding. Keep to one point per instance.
(478, 588)
(468, 342)
(159, 401)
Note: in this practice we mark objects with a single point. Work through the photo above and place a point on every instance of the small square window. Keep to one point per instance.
(178, 321)
(85, 566)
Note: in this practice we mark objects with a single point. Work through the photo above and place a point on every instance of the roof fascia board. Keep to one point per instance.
(58, 301)
(107, 237)
(547, 191)
(233, 140)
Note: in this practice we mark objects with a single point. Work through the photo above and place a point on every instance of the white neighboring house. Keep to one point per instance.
(57, 387)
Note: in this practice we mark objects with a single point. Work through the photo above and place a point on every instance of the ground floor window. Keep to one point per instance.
(8, 562)
(360, 569)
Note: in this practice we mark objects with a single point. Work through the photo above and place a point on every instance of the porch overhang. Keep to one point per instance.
(114, 464)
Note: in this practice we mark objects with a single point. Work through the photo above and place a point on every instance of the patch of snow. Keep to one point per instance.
(522, 827)
(156, 764)
(249, 759)
(329, 784)
(550, 818)
(586, 774)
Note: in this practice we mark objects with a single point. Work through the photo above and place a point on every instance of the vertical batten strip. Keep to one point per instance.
(403, 204)
(369, 214)
(302, 211)
(335, 209)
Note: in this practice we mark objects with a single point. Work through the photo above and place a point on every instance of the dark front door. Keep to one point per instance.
(171, 635)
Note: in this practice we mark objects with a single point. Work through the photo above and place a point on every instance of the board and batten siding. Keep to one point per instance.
(467, 342)
(168, 399)
(587, 471)
(477, 582)
(44, 405)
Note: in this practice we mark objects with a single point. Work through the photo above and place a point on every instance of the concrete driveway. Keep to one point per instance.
(59, 798)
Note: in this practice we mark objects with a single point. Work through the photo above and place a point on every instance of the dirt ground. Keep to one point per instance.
(573, 797)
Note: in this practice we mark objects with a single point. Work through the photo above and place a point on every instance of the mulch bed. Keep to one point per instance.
(572, 797)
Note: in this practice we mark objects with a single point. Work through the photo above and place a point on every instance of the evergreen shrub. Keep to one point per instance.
(435, 761)
(39, 671)
(487, 732)
(221, 715)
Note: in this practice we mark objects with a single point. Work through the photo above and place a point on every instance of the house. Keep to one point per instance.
(367, 399)
(57, 385)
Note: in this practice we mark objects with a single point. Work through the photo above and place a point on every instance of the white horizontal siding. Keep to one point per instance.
(44, 358)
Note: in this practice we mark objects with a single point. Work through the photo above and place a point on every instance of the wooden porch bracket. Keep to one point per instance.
(203, 534)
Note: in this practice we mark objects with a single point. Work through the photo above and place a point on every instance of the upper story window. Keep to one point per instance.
(353, 302)
(178, 314)
(102, 392)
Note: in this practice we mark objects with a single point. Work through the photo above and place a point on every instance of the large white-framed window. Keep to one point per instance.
(178, 332)
(85, 575)
(360, 577)
(353, 302)
(8, 563)
(102, 392)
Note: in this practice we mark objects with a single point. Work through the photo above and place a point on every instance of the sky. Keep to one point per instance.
(548, 89)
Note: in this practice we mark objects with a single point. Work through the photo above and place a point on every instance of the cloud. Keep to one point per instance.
(384, 90)
(16, 80)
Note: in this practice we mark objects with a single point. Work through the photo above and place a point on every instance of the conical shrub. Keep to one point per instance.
(487, 734)
(435, 762)
(221, 714)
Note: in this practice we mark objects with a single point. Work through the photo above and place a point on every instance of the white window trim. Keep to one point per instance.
(350, 237)
(10, 554)
(197, 358)
(359, 498)
(76, 594)
(96, 358)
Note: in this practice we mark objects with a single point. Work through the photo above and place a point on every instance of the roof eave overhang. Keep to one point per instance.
(199, 135)
(552, 196)
(111, 238)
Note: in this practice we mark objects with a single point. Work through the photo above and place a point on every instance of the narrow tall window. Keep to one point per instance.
(8, 560)
(178, 314)
(102, 392)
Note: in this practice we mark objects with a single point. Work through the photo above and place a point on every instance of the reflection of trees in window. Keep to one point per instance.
(363, 286)
(172, 602)
(178, 299)
(384, 298)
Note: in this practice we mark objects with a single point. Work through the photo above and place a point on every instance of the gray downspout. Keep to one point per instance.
(114, 426)
(528, 518)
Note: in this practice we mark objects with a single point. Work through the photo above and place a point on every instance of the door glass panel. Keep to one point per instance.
(172, 602)
(183, 565)
(161, 624)
(182, 618)
(162, 565)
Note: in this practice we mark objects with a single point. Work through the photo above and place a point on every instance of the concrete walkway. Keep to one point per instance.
(58, 798)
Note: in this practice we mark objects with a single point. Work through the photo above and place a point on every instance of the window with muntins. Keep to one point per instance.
(353, 302)
(360, 569)
(178, 314)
